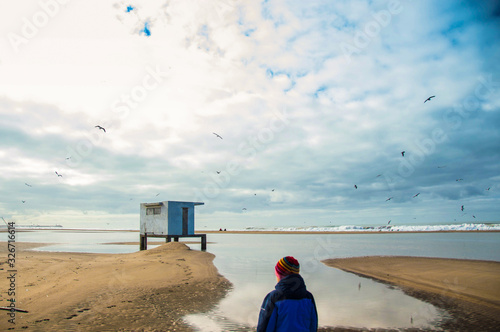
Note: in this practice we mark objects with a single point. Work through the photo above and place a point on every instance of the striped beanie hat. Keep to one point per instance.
(287, 265)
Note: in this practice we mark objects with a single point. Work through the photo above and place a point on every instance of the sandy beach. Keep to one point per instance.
(468, 289)
(143, 291)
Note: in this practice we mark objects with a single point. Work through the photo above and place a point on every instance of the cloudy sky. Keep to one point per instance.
(311, 98)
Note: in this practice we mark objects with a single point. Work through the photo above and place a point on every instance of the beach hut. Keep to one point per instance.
(169, 219)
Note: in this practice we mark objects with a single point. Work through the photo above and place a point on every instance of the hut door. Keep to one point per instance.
(185, 221)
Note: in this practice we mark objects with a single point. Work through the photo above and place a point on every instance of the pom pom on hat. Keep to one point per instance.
(287, 265)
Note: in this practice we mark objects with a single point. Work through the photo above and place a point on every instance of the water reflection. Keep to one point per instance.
(342, 299)
(89, 241)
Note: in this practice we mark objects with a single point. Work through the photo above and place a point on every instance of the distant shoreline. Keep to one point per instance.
(258, 232)
(347, 232)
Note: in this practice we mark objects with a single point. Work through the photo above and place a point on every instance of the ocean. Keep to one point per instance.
(343, 299)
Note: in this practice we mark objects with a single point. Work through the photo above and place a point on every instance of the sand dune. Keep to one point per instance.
(143, 291)
(469, 289)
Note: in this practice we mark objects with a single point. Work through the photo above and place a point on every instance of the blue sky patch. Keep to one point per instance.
(146, 30)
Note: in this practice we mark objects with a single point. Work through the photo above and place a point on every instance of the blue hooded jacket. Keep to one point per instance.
(288, 308)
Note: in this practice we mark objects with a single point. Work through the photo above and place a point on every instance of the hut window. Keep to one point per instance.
(150, 211)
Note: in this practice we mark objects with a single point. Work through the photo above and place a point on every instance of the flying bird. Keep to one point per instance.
(157, 194)
(416, 195)
(429, 99)
(473, 216)
(59, 175)
(459, 179)
(462, 208)
(218, 172)
(101, 128)
(23, 201)
(243, 209)
(488, 188)
(441, 166)
(403, 153)
(29, 185)
(272, 190)
(355, 187)
(219, 136)
(378, 175)
(388, 199)
(389, 222)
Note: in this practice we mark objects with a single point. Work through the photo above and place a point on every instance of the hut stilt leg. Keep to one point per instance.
(204, 242)
(143, 242)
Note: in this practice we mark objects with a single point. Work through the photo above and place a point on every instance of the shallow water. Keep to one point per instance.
(343, 299)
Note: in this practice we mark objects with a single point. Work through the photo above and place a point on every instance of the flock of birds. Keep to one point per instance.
(462, 208)
(59, 175)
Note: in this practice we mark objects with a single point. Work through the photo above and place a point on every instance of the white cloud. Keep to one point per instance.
(232, 67)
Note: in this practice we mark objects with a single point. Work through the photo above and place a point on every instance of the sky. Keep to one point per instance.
(312, 102)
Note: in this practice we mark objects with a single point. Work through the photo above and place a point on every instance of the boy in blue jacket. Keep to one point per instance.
(290, 307)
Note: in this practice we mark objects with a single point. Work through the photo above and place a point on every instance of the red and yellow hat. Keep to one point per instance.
(287, 265)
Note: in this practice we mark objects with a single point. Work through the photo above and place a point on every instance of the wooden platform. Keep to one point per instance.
(143, 243)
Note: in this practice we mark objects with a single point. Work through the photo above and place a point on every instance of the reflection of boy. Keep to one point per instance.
(290, 307)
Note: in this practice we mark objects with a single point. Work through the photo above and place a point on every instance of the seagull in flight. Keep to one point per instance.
(23, 201)
(416, 195)
(429, 99)
(459, 179)
(388, 199)
(101, 128)
(157, 194)
(389, 222)
(219, 136)
(218, 172)
(403, 153)
(462, 208)
(29, 185)
(355, 187)
(243, 209)
(59, 175)
(272, 190)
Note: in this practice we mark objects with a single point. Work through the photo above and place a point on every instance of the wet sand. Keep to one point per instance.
(468, 289)
(144, 291)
